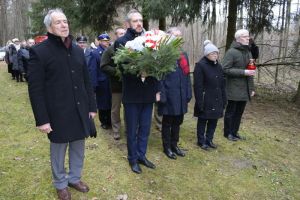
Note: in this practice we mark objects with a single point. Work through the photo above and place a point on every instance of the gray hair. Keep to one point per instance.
(171, 30)
(118, 28)
(240, 32)
(130, 13)
(48, 19)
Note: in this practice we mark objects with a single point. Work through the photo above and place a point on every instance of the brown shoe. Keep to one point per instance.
(63, 194)
(80, 186)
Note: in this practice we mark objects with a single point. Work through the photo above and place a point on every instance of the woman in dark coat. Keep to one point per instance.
(209, 89)
(176, 92)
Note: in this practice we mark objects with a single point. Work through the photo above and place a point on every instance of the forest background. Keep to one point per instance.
(274, 25)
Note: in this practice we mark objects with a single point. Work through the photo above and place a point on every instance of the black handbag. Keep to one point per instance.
(92, 127)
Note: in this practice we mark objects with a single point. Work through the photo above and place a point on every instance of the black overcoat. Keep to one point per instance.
(133, 89)
(209, 89)
(60, 90)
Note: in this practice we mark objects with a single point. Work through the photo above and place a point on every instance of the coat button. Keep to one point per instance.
(213, 109)
(72, 71)
(78, 103)
(75, 87)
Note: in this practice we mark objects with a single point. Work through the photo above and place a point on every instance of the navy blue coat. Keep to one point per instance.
(99, 80)
(87, 55)
(209, 89)
(134, 90)
(176, 92)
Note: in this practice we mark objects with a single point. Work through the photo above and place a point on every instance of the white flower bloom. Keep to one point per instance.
(149, 39)
(136, 44)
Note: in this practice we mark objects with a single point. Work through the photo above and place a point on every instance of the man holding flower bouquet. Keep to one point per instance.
(139, 94)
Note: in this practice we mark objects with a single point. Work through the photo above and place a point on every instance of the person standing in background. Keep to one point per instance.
(239, 83)
(176, 93)
(210, 95)
(108, 66)
(100, 82)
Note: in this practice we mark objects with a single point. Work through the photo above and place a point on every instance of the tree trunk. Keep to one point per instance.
(240, 21)
(162, 24)
(297, 96)
(145, 24)
(232, 14)
(280, 41)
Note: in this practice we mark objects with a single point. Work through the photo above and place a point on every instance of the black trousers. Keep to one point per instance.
(105, 117)
(206, 130)
(233, 116)
(18, 75)
(170, 130)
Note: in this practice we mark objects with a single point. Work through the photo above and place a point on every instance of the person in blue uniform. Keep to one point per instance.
(100, 82)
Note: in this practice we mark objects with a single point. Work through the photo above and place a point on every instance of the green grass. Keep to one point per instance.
(265, 166)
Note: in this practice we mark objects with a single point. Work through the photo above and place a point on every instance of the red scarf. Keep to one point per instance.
(184, 64)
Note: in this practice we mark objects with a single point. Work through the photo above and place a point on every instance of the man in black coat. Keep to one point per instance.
(138, 98)
(62, 100)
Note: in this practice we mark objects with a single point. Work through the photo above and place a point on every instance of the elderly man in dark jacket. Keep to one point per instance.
(176, 92)
(62, 101)
(100, 82)
(239, 83)
(138, 99)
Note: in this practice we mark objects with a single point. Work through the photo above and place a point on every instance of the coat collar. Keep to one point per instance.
(100, 48)
(239, 46)
(56, 39)
(206, 60)
(131, 33)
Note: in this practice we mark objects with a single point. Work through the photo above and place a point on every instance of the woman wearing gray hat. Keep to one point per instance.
(209, 89)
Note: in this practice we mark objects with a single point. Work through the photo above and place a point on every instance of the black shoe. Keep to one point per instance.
(232, 138)
(203, 146)
(178, 151)
(104, 126)
(239, 137)
(170, 154)
(211, 145)
(147, 163)
(135, 168)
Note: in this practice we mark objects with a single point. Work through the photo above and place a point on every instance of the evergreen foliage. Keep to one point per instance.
(155, 63)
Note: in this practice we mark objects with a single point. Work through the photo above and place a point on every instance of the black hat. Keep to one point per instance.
(81, 39)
